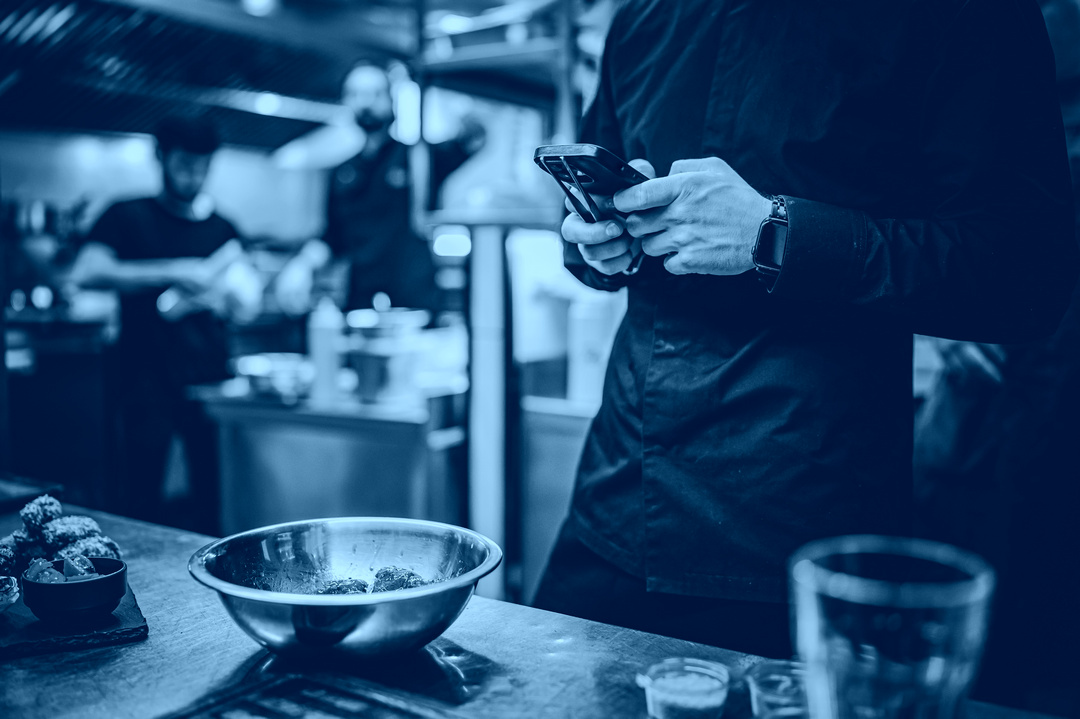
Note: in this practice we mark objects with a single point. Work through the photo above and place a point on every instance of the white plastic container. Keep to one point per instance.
(325, 341)
(683, 688)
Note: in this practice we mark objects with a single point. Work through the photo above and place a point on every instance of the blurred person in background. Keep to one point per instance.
(175, 245)
(996, 468)
(827, 181)
(370, 208)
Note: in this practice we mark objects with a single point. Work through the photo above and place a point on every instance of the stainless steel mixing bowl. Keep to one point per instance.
(267, 577)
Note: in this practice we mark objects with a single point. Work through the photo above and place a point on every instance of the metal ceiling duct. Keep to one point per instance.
(120, 65)
(104, 66)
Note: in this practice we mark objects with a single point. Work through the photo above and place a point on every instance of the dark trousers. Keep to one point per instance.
(150, 421)
(580, 583)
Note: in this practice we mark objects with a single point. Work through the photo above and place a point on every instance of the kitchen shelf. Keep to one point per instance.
(529, 217)
(536, 53)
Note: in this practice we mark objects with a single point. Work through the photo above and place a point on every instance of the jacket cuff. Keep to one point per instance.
(824, 250)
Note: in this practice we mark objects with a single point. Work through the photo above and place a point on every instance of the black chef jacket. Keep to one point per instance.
(167, 354)
(368, 224)
(921, 147)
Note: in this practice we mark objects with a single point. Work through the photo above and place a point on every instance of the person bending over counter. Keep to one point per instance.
(174, 243)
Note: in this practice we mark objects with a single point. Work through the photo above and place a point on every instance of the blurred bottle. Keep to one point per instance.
(325, 338)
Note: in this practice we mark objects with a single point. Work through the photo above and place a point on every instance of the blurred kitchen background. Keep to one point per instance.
(475, 418)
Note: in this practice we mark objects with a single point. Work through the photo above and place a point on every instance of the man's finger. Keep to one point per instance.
(642, 224)
(603, 202)
(675, 265)
(649, 194)
(605, 250)
(658, 245)
(644, 167)
(700, 164)
(614, 265)
(576, 230)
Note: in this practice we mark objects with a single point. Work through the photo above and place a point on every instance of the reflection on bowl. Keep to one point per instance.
(267, 578)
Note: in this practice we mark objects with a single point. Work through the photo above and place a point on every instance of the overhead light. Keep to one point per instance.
(452, 24)
(41, 297)
(452, 241)
(517, 33)
(259, 8)
(267, 103)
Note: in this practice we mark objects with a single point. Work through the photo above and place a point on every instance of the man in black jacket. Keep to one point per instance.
(369, 215)
(912, 159)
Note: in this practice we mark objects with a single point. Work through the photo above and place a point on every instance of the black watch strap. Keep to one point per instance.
(768, 254)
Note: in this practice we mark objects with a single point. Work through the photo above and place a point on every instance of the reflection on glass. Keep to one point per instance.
(888, 627)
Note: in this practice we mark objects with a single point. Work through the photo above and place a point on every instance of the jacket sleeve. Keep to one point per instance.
(994, 257)
(599, 127)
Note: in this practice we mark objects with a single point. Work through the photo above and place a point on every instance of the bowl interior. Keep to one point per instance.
(300, 557)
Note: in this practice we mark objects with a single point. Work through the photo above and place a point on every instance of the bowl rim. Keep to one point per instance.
(121, 568)
(197, 566)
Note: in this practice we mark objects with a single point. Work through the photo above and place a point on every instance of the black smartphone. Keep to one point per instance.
(589, 169)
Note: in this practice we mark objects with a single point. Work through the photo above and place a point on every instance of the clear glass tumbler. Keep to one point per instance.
(889, 628)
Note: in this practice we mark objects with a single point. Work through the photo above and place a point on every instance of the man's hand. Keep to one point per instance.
(191, 274)
(293, 285)
(292, 288)
(604, 245)
(703, 218)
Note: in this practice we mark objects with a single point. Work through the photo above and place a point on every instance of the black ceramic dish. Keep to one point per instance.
(78, 602)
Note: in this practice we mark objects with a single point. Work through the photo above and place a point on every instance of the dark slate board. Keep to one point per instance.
(23, 635)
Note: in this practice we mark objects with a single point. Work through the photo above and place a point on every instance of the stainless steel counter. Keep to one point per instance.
(498, 661)
(284, 462)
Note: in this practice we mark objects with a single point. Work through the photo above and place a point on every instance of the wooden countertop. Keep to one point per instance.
(498, 660)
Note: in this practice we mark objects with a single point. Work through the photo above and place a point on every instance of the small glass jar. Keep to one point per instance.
(682, 688)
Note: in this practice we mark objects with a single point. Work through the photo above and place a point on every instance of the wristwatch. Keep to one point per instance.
(768, 253)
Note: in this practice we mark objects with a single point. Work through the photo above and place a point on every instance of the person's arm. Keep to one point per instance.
(997, 259)
(449, 155)
(96, 266)
(599, 127)
(104, 262)
(989, 254)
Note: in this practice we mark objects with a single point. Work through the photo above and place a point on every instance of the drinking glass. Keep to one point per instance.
(889, 628)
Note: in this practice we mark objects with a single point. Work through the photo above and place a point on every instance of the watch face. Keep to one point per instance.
(772, 240)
